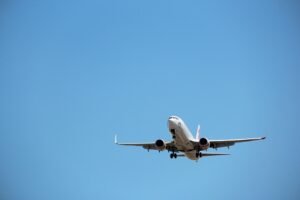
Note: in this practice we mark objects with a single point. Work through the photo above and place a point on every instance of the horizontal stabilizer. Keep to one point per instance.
(214, 154)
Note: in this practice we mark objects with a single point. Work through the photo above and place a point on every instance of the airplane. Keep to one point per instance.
(185, 145)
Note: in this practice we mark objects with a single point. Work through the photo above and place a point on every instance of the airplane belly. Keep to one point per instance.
(182, 141)
(191, 155)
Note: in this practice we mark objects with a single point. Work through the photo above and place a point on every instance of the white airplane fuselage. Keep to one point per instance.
(182, 137)
(185, 144)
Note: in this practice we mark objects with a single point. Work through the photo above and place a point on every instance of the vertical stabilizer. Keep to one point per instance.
(198, 133)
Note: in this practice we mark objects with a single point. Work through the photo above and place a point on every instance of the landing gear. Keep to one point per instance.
(198, 155)
(173, 155)
(173, 133)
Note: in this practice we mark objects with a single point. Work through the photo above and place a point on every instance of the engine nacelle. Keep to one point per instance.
(160, 145)
(204, 143)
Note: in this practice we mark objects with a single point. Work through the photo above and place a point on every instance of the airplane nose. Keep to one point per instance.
(171, 123)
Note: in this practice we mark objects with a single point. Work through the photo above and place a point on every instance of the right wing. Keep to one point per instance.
(226, 143)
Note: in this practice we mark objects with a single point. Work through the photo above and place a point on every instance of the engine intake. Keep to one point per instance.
(204, 143)
(160, 145)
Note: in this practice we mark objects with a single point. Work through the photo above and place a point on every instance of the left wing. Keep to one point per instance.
(226, 143)
(149, 146)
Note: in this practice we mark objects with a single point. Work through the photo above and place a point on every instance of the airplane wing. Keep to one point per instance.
(149, 146)
(226, 143)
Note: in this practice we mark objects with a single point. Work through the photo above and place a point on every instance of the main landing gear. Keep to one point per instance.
(198, 155)
(173, 155)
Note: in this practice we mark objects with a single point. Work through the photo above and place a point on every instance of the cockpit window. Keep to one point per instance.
(172, 117)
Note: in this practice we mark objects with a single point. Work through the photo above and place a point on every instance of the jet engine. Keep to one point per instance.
(160, 145)
(204, 143)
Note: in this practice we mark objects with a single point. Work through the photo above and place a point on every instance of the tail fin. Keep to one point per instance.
(198, 133)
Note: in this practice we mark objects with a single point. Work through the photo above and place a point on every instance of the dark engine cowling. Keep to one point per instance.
(204, 143)
(160, 145)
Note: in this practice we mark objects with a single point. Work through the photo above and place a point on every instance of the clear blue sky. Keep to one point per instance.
(75, 73)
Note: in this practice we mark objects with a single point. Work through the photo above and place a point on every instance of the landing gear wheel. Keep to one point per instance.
(198, 155)
(173, 155)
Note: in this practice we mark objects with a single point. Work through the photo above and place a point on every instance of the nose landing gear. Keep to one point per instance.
(173, 133)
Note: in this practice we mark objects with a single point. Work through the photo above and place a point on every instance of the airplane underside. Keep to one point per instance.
(184, 144)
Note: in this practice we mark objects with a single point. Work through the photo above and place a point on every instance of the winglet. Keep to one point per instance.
(263, 138)
(116, 139)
